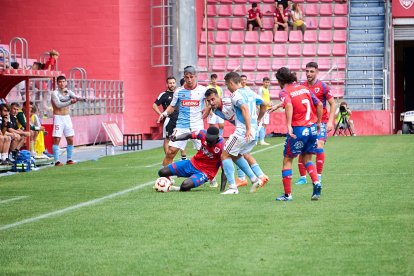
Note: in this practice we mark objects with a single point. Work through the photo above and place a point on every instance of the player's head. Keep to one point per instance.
(311, 71)
(171, 83)
(14, 108)
(232, 80)
(254, 6)
(190, 77)
(61, 81)
(243, 80)
(266, 82)
(212, 135)
(213, 79)
(212, 98)
(285, 76)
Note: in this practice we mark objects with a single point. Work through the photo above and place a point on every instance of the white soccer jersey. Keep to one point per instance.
(190, 106)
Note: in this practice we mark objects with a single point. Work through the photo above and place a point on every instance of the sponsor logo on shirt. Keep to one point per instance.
(406, 3)
(190, 103)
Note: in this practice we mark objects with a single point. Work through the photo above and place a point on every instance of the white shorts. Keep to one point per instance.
(182, 144)
(237, 144)
(214, 119)
(62, 124)
(164, 130)
(266, 118)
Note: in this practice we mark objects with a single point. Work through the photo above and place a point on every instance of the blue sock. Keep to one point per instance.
(55, 149)
(69, 150)
(257, 170)
(244, 166)
(229, 170)
(262, 133)
(240, 173)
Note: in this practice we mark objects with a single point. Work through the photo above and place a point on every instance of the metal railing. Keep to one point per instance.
(24, 51)
(4, 58)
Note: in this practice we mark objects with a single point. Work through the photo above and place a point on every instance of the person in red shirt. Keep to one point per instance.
(51, 62)
(281, 17)
(322, 92)
(254, 18)
(303, 117)
(203, 166)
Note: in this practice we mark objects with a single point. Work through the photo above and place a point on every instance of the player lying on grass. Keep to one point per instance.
(203, 166)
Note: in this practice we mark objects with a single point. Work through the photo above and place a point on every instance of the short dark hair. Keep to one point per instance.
(254, 5)
(213, 76)
(170, 78)
(266, 79)
(243, 76)
(14, 104)
(61, 78)
(312, 64)
(232, 76)
(4, 106)
(210, 91)
(284, 75)
(182, 81)
(14, 65)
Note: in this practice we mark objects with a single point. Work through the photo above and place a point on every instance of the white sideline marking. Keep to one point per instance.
(257, 151)
(12, 199)
(74, 207)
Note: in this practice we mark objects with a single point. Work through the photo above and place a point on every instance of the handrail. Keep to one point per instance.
(82, 72)
(24, 50)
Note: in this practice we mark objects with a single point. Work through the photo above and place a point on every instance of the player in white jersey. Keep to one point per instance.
(190, 103)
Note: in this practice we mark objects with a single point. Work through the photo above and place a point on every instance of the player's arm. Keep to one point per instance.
(156, 109)
(57, 102)
(181, 137)
(319, 112)
(72, 96)
(289, 115)
(332, 109)
(206, 111)
(247, 120)
(170, 109)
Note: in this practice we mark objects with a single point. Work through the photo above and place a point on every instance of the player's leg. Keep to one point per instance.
(256, 168)
(69, 133)
(286, 179)
(302, 172)
(194, 181)
(320, 152)
(309, 148)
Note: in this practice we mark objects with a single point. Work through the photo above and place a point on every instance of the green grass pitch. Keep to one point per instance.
(65, 223)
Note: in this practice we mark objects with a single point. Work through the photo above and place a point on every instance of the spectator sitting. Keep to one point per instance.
(51, 62)
(5, 139)
(281, 17)
(254, 18)
(18, 134)
(283, 2)
(297, 18)
(344, 112)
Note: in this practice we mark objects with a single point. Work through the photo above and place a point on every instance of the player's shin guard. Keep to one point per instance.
(69, 150)
(310, 167)
(287, 181)
(257, 170)
(55, 149)
(244, 166)
(301, 167)
(320, 160)
(229, 171)
(240, 173)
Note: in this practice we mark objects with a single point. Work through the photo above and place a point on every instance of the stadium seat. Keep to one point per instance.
(223, 23)
(220, 50)
(226, 1)
(327, 1)
(337, 77)
(295, 36)
(281, 37)
(212, 1)
(266, 37)
(235, 50)
(311, 9)
(305, 61)
(311, 23)
(219, 65)
(312, 1)
(325, 23)
(341, 9)
(310, 36)
(340, 22)
(241, 1)
(203, 78)
(265, 50)
(260, 76)
(324, 50)
(274, 92)
(211, 23)
(225, 10)
(294, 64)
(238, 23)
(279, 50)
(251, 37)
(250, 50)
(339, 49)
(324, 63)
(277, 63)
(309, 50)
(222, 37)
(339, 62)
(210, 37)
(263, 64)
(201, 64)
(249, 64)
(237, 37)
(202, 50)
(233, 64)
(338, 91)
(211, 10)
(240, 10)
(325, 10)
(269, 1)
(294, 50)
(325, 36)
(339, 36)
(268, 23)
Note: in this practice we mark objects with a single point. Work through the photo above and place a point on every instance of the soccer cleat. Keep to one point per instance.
(301, 181)
(256, 185)
(317, 188)
(58, 164)
(264, 180)
(213, 183)
(70, 162)
(241, 182)
(231, 191)
(285, 198)
(263, 143)
(174, 188)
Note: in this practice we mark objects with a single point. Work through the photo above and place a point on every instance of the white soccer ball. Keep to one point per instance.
(162, 184)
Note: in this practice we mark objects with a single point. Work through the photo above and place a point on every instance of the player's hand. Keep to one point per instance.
(162, 116)
(248, 135)
(329, 127)
(290, 132)
(73, 100)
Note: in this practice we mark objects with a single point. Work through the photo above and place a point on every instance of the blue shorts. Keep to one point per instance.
(184, 168)
(322, 134)
(305, 142)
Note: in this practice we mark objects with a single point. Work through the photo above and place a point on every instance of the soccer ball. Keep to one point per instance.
(162, 184)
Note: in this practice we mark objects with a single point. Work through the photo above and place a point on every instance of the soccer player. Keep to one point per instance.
(303, 117)
(189, 100)
(62, 99)
(212, 118)
(203, 166)
(265, 94)
(322, 92)
(243, 139)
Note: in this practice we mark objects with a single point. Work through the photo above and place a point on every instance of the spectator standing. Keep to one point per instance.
(254, 18)
(281, 17)
(51, 62)
(303, 117)
(265, 94)
(62, 99)
(297, 18)
(213, 119)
